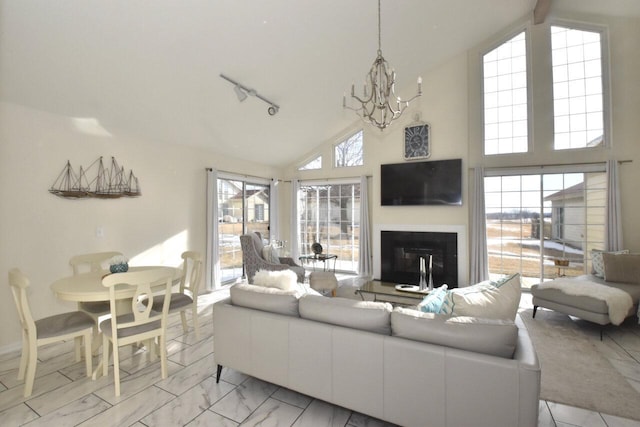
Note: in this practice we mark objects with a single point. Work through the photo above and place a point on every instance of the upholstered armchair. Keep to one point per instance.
(252, 256)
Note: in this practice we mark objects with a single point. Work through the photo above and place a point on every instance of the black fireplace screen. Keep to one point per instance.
(400, 254)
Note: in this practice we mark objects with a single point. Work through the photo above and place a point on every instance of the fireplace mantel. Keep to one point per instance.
(460, 230)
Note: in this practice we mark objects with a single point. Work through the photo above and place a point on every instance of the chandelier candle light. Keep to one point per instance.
(379, 104)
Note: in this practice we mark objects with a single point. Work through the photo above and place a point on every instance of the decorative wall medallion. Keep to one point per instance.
(417, 144)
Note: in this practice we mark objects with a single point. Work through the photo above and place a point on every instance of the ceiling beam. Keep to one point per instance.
(541, 11)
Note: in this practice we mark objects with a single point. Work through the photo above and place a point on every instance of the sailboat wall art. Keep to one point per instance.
(108, 182)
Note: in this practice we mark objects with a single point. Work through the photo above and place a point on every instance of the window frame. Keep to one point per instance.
(310, 160)
(342, 141)
(245, 224)
(494, 44)
(603, 30)
(341, 264)
(579, 168)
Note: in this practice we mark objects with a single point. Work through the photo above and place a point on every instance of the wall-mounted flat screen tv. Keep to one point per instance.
(436, 182)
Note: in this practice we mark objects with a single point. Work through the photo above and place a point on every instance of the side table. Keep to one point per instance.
(325, 258)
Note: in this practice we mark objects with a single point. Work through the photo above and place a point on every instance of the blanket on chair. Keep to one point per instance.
(618, 301)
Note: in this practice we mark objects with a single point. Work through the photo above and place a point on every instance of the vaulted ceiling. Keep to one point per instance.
(151, 68)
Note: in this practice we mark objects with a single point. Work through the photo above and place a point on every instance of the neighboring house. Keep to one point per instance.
(257, 202)
(568, 214)
(576, 206)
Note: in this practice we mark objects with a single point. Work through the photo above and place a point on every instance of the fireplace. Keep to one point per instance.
(399, 248)
(401, 252)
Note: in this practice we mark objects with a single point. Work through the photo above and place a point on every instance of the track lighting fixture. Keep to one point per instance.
(242, 92)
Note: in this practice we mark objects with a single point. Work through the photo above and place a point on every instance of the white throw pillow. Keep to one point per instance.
(493, 300)
(287, 280)
(270, 254)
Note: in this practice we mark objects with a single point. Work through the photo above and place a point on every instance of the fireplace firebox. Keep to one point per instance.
(400, 253)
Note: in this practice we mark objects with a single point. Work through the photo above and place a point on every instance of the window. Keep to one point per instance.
(242, 206)
(534, 219)
(330, 215)
(313, 164)
(505, 97)
(577, 88)
(259, 212)
(349, 152)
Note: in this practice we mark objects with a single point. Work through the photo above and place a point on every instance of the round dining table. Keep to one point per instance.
(87, 287)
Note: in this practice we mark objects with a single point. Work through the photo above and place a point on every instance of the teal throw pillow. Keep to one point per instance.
(432, 303)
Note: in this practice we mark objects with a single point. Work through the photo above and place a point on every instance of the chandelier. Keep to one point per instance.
(379, 104)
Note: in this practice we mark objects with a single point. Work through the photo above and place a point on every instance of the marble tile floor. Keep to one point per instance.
(63, 396)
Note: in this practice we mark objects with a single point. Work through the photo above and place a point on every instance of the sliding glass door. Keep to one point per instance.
(544, 225)
(329, 214)
(242, 206)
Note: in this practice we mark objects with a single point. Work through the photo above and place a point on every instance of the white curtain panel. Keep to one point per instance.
(295, 251)
(274, 216)
(613, 218)
(365, 265)
(479, 268)
(212, 261)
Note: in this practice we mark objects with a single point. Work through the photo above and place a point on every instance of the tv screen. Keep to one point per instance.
(422, 183)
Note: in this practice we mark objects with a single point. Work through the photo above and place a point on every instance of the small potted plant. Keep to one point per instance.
(119, 264)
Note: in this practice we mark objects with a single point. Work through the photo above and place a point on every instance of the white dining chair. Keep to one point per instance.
(92, 262)
(141, 324)
(89, 263)
(187, 297)
(75, 325)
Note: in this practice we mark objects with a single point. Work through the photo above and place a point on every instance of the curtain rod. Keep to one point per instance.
(283, 180)
(328, 179)
(558, 164)
(240, 175)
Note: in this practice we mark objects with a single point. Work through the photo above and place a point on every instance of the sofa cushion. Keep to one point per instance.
(621, 268)
(266, 299)
(497, 337)
(286, 280)
(365, 315)
(495, 300)
(432, 303)
(597, 261)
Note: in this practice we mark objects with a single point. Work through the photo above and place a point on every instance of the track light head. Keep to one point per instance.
(241, 94)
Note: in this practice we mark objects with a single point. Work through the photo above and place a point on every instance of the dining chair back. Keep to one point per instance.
(140, 323)
(91, 262)
(60, 327)
(187, 298)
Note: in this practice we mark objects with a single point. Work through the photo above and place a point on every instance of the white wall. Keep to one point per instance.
(39, 232)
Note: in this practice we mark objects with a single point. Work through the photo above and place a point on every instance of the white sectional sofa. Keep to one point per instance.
(399, 365)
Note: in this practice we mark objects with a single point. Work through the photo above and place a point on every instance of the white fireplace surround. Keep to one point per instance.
(460, 230)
